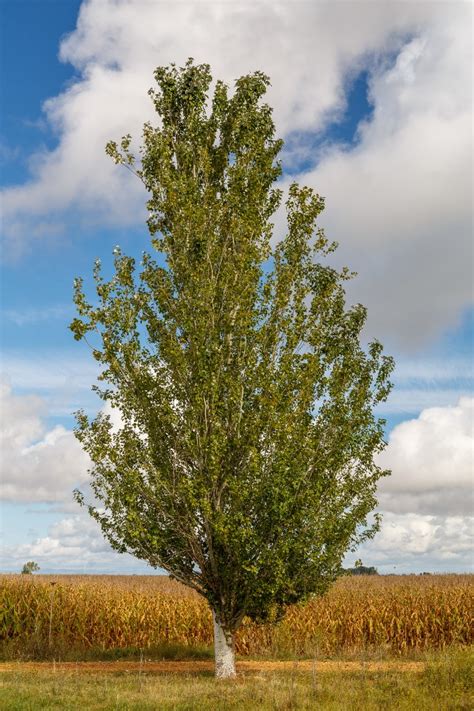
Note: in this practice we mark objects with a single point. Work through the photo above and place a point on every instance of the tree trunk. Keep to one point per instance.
(224, 651)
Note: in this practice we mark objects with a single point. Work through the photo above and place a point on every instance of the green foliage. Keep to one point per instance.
(245, 462)
(361, 570)
(30, 567)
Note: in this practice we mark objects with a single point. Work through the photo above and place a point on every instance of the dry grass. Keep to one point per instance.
(445, 683)
(146, 666)
(69, 616)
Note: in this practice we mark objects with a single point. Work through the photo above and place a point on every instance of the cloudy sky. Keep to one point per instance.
(374, 102)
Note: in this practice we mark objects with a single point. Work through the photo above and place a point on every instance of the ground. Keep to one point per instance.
(444, 682)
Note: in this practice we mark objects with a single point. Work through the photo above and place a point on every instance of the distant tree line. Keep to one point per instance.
(361, 570)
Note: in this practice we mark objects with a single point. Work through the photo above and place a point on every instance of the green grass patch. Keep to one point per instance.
(445, 684)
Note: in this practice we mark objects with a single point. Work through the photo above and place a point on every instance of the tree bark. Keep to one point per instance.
(224, 651)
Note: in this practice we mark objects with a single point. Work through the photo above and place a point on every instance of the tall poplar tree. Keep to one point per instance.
(244, 465)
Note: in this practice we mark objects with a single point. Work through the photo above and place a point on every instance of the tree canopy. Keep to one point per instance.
(244, 464)
(30, 567)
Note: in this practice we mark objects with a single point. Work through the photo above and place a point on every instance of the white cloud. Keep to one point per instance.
(399, 203)
(427, 503)
(406, 543)
(75, 536)
(36, 464)
(412, 543)
(74, 544)
(40, 464)
(432, 463)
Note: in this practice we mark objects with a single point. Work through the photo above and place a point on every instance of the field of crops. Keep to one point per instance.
(43, 616)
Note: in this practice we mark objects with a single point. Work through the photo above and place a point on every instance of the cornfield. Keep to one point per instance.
(396, 614)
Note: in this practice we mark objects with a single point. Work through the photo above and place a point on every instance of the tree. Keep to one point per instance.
(361, 570)
(244, 465)
(30, 567)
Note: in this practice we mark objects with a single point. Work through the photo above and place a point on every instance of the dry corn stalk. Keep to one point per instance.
(398, 613)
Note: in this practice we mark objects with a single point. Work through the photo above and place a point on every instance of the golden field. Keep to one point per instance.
(66, 616)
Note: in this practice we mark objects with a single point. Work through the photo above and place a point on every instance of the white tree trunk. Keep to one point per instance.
(224, 651)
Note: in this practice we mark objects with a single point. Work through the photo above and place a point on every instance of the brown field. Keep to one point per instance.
(71, 617)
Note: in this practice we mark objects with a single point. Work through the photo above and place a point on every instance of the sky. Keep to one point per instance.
(374, 102)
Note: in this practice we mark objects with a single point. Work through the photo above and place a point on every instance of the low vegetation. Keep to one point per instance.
(107, 617)
(445, 682)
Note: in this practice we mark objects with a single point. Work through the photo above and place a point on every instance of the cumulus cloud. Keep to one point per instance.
(75, 537)
(427, 502)
(74, 544)
(411, 543)
(431, 458)
(37, 464)
(399, 201)
(40, 464)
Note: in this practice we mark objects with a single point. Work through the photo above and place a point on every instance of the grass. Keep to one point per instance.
(28, 650)
(445, 683)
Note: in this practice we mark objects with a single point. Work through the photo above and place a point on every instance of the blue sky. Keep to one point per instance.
(31, 31)
(361, 128)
